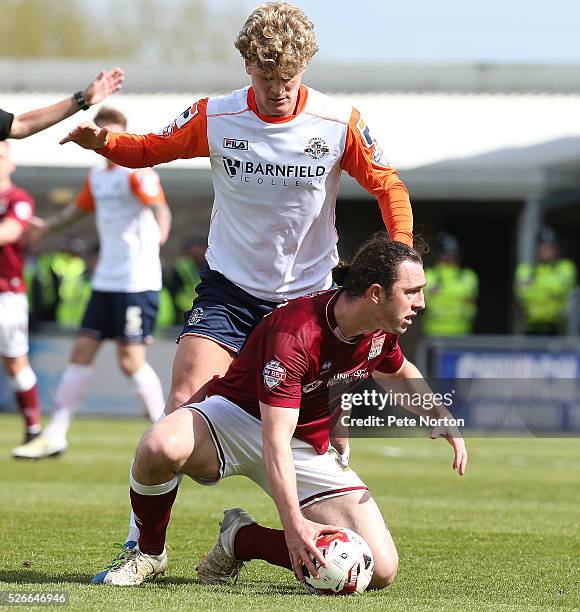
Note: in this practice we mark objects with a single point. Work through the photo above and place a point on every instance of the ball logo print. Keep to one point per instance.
(274, 373)
(317, 148)
(349, 566)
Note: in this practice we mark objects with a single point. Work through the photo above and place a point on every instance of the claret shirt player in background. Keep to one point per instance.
(16, 209)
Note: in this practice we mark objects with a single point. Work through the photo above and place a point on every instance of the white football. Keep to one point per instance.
(349, 566)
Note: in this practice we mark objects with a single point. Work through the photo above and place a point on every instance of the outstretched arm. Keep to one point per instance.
(185, 138)
(418, 385)
(41, 118)
(38, 228)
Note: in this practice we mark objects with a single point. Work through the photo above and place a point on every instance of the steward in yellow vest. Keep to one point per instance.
(451, 292)
(543, 289)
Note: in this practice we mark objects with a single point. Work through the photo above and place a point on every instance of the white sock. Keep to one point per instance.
(133, 534)
(148, 388)
(24, 380)
(71, 388)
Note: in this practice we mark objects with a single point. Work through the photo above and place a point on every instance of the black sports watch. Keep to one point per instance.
(80, 100)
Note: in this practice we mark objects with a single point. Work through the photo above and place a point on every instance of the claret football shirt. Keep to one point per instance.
(296, 358)
(15, 203)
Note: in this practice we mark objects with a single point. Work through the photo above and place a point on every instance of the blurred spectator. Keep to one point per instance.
(543, 289)
(166, 311)
(62, 285)
(451, 292)
(185, 276)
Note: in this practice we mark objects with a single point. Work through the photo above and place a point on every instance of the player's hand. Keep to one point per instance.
(301, 542)
(88, 136)
(341, 454)
(104, 85)
(454, 437)
(36, 230)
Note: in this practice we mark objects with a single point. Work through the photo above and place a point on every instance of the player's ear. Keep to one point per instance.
(248, 67)
(374, 293)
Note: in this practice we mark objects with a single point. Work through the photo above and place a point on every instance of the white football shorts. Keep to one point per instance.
(13, 324)
(237, 436)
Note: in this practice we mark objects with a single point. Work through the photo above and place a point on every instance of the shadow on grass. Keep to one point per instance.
(256, 587)
(27, 577)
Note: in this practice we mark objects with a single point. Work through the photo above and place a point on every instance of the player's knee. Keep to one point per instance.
(127, 365)
(161, 447)
(385, 572)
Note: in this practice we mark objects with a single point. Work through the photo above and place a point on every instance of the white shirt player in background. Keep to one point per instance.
(277, 150)
(133, 220)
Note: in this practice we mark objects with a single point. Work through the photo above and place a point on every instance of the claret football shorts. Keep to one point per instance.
(238, 440)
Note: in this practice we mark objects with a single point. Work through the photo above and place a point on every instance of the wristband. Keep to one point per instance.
(80, 100)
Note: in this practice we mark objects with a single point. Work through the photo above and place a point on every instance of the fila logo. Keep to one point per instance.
(232, 143)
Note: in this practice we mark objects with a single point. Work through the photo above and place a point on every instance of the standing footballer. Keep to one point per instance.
(132, 219)
(16, 210)
(277, 149)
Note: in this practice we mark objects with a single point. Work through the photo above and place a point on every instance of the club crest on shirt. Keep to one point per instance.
(195, 316)
(317, 148)
(376, 346)
(274, 373)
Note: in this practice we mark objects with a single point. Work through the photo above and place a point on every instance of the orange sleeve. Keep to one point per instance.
(85, 200)
(146, 186)
(364, 160)
(185, 138)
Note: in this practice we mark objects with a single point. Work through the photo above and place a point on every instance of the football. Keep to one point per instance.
(350, 565)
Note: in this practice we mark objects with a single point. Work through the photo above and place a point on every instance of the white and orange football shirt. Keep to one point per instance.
(128, 232)
(276, 181)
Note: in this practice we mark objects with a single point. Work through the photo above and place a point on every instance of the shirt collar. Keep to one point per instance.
(300, 104)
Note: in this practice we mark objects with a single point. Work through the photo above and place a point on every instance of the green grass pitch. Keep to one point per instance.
(505, 537)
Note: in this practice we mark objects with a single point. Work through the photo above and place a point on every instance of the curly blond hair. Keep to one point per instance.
(279, 39)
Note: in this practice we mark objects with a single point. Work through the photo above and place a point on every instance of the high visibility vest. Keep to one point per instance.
(74, 289)
(188, 272)
(166, 311)
(543, 291)
(450, 297)
(45, 279)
